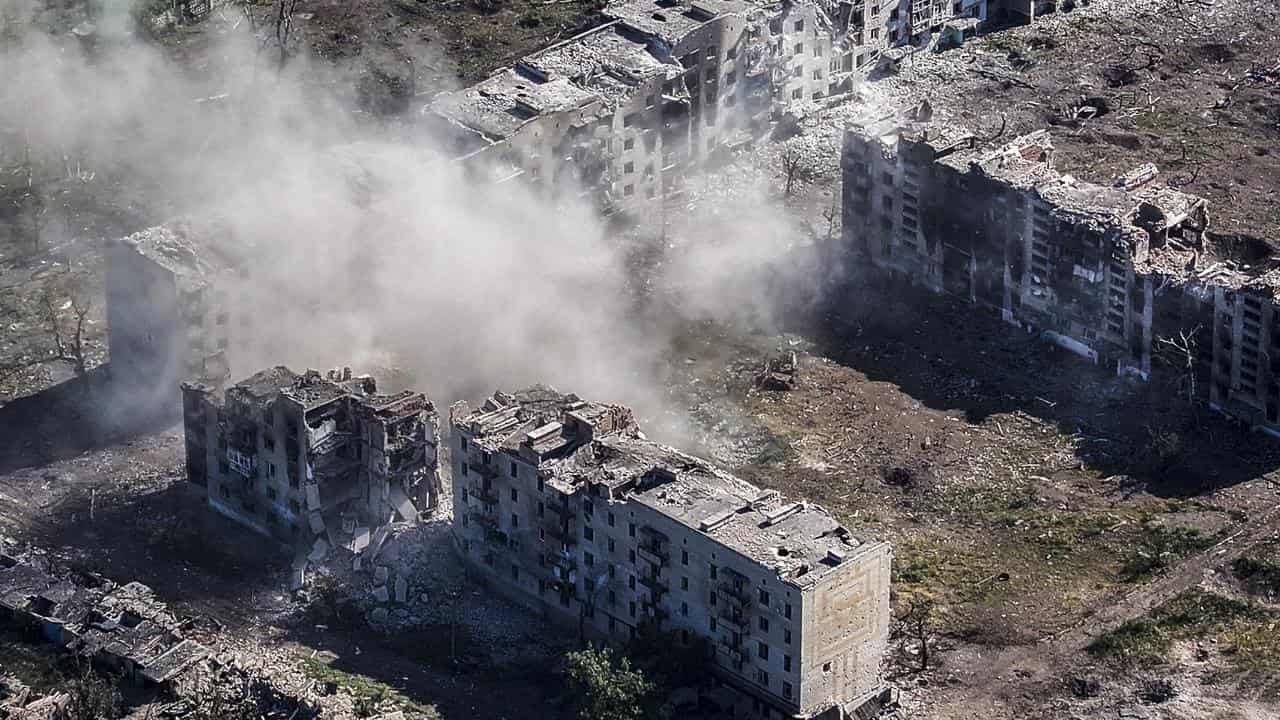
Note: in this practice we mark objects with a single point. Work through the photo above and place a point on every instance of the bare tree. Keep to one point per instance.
(1179, 354)
(832, 216)
(794, 168)
(67, 329)
(914, 629)
(283, 13)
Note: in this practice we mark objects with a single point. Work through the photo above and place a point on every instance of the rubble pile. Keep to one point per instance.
(126, 629)
(19, 702)
(779, 372)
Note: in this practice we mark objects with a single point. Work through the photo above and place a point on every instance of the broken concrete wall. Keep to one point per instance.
(296, 457)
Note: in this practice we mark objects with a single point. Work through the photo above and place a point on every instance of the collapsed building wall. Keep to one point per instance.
(1127, 275)
(305, 458)
(562, 505)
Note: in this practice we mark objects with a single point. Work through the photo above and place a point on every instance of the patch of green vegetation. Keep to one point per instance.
(1196, 613)
(1137, 641)
(944, 571)
(1160, 120)
(1254, 646)
(1249, 633)
(1159, 546)
(775, 450)
(370, 696)
(1259, 575)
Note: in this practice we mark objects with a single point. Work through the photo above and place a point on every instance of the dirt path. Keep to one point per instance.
(1005, 672)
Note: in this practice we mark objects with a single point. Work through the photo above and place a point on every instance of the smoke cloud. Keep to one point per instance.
(366, 246)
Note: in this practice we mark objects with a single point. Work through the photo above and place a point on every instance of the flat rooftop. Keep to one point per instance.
(670, 21)
(501, 105)
(799, 541)
(608, 61)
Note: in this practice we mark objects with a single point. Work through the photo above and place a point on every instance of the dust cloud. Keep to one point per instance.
(367, 247)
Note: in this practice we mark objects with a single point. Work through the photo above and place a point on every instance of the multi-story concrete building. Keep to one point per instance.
(297, 456)
(1127, 275)
(625, 108)
(564, 506)
(166, 308)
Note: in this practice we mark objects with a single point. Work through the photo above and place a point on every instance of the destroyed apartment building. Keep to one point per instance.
(623, 110)
(1128, 275)
(304, 458)
(167, 293)
(564, 506)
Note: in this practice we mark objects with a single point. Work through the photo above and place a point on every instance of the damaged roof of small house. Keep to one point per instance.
(598, 444)
(99, 618)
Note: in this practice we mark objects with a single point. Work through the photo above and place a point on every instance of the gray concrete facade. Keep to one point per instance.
(563, 505)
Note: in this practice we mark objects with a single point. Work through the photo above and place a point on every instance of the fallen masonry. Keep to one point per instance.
(1129, 275)
(322, 461)
(123, 630)
(563, 505)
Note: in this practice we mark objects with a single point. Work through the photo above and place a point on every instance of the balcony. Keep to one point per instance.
(732, 649)
(563, 567)
(653, 553)
(483, 470)
(653, 612)
(563, 511)
(654, 583)
(496, 537)
(486, 518)
(736, 593)
(735, 621)
(242, 463)
(487, 496)
(567, 535)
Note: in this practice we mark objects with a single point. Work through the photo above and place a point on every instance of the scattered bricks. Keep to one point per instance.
(402, 589)
(380, 594)
(381, 573)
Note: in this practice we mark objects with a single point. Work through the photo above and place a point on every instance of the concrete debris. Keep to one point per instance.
(124, 627)
(319, 551)
(779, 372)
